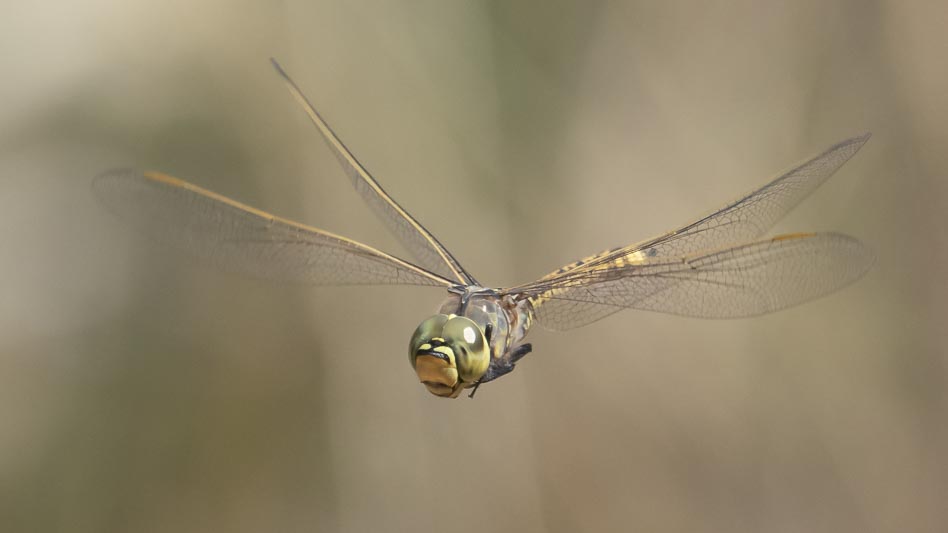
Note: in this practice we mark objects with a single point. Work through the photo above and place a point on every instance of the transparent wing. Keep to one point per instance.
(239, 238)
(741, 281)
(740, 221)
(426, 249)
(743, 220)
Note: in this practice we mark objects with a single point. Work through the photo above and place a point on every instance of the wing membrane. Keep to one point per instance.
(743, 220)
(243, 239)
(426, 249)
(741, 281)
(576, 294)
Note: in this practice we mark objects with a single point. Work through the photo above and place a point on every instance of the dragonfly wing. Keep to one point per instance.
(743, 220)
(741, 281)
(239, 238)
(426, 249)
(567, 299)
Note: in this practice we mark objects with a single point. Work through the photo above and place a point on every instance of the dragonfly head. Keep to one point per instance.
(448, 352)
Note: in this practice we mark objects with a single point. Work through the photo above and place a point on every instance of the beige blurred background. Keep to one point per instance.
(141, 392)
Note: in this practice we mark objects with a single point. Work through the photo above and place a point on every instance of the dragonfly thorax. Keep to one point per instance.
(486, 309)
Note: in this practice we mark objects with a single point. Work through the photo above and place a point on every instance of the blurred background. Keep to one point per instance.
(143, 392)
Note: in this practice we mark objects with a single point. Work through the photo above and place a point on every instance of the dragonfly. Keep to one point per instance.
(719, 265)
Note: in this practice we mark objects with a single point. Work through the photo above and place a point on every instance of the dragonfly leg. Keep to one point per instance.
(519, 352)
(502, 367)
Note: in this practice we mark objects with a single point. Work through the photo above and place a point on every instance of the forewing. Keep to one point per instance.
(743, 220)
(740, 281)
(425, 248)
(242, 239)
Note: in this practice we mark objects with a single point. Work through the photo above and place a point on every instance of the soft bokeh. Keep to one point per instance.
(142, 392)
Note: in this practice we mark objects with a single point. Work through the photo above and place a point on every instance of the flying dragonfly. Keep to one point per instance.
(717, 266)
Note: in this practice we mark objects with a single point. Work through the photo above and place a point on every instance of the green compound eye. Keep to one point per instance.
(424, 333)
(448, 351)
(471, 353)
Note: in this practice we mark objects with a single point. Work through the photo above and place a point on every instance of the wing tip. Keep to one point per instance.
(286, 78)
(105, 184)
(868, 257)
(863, 257)
(101, 179)
(858, 141)
(278, 68)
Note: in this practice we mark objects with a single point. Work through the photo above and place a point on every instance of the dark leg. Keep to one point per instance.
(520, 351)
(502, 367)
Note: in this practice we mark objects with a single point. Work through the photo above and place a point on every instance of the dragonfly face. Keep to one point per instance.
(719, 265)
(448, 352)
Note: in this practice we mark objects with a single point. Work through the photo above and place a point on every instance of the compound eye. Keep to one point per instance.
(471, 353)
(430, 329)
